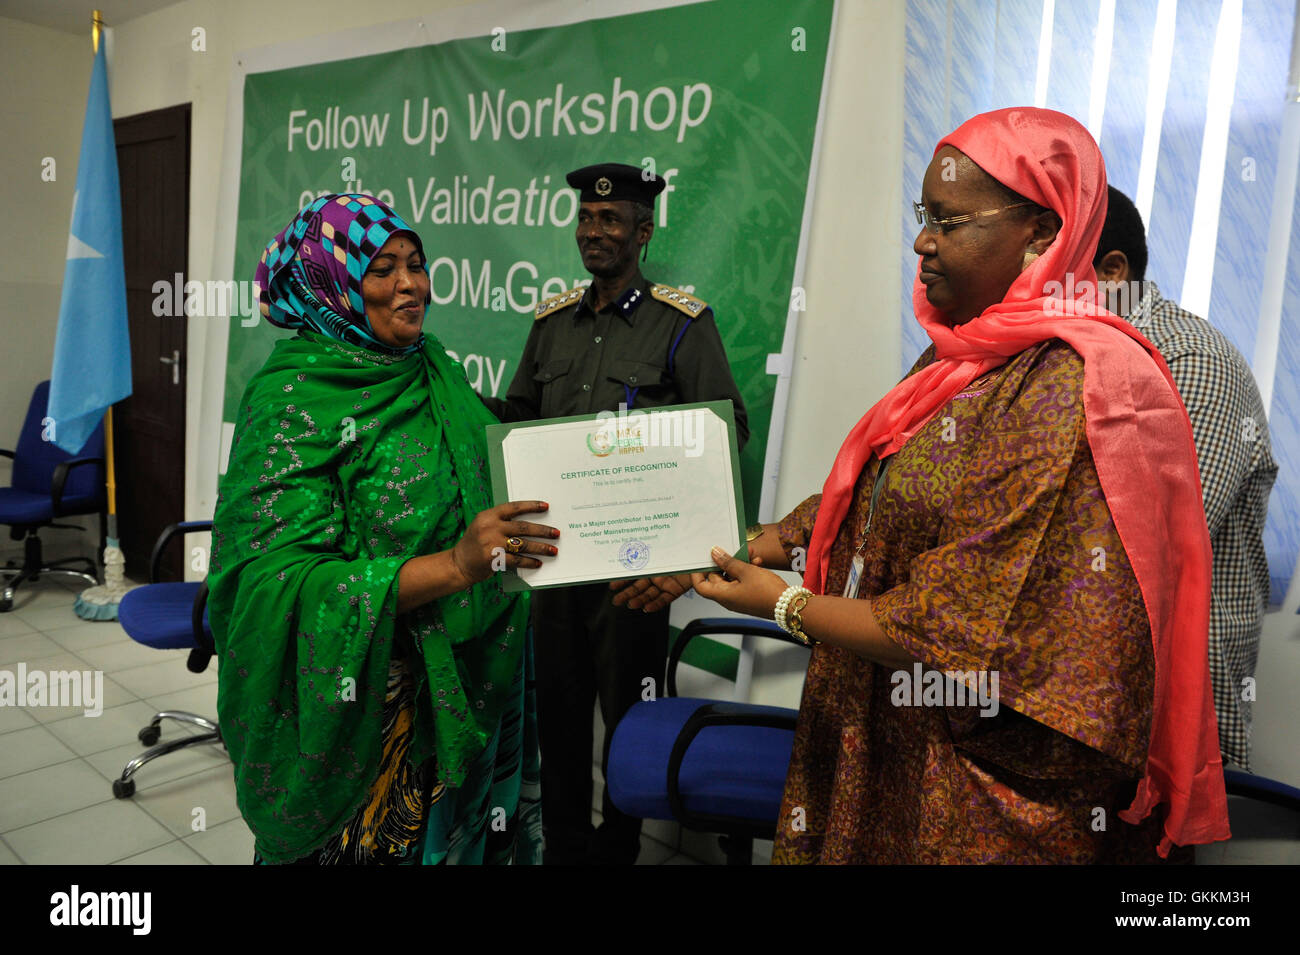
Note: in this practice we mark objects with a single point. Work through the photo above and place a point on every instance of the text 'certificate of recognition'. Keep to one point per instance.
(634, 494)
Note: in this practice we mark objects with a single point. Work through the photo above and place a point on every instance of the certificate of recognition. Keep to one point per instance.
(634, 494)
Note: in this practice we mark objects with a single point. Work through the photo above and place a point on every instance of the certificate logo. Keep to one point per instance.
(607, 439)
(600, 443)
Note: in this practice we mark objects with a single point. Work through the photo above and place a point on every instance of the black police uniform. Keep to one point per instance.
(653, 346)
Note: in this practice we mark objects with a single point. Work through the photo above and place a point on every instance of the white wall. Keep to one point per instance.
(847, 352)
(46, 76)
(1274, 752)
(846, 355)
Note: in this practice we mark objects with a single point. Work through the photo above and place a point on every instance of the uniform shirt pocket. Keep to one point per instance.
(553, 369)
(637, 374)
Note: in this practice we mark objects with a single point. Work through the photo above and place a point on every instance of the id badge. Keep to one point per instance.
(855, 577)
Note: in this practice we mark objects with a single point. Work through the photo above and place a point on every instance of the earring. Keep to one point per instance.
(1029, 259)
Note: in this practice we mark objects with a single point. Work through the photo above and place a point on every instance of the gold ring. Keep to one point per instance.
(514, 545)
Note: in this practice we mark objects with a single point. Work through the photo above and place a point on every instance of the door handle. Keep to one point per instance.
(175, 362)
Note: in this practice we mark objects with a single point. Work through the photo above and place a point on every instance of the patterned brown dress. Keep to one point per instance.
(992, 550)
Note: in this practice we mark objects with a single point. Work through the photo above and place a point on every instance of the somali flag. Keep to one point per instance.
(92, 351)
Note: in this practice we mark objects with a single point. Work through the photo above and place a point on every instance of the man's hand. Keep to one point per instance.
(649, 593)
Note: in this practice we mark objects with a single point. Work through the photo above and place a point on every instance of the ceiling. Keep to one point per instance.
(73, 16)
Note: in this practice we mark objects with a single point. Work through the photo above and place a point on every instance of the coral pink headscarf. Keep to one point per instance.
(1138, 431)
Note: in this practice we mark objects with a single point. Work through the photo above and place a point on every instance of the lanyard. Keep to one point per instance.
(855, 568)
(875, 496)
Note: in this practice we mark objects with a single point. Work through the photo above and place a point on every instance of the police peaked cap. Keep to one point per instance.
(612, 181)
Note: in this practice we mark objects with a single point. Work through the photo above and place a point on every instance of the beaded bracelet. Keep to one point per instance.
(789, 606)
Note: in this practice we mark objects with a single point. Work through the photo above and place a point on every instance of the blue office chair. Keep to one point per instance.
(49, 483)
(710, 765)
(1262, 788)
(168, 616)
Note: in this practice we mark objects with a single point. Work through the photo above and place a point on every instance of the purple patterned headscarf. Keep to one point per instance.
(310, 274)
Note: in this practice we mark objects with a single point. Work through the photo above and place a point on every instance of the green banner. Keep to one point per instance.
(469, 140)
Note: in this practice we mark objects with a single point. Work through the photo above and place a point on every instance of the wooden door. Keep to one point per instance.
(153, 162)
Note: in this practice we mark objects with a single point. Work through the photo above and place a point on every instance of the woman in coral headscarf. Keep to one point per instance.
(1008, 568)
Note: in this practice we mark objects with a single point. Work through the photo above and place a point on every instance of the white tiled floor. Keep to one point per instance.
(57, 764)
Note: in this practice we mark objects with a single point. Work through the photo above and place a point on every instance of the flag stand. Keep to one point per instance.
(100, 602)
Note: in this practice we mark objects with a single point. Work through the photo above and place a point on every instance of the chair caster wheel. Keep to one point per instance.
(6, 606)
(149, 735)
(123, 788)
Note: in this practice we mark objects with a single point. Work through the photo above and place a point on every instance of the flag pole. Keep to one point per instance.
(100, 603)
(96, 24)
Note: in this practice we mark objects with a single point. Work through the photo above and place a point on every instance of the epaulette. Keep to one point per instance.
(557, 302)
(678, 299)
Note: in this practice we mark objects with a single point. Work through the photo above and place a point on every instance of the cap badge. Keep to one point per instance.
(603, 186)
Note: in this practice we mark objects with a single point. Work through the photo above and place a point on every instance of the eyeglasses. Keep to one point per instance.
(934, 225)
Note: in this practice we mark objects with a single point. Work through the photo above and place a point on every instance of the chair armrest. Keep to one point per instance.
(745, 626)
(1262, 788)
(60, 478)
(6, 453)
(168, 532)
(203, 646)
(196, 617)
(718, 714)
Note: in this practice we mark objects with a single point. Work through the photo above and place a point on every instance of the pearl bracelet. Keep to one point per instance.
(788, 608)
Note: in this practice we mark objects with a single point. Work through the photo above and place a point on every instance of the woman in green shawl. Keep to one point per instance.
(372, 669)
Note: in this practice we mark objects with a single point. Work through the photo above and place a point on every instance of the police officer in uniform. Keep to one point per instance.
(621, 341)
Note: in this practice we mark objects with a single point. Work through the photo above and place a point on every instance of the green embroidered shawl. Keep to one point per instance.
(345, 464)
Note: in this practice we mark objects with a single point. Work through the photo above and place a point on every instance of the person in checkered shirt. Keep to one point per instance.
(1234, 454)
